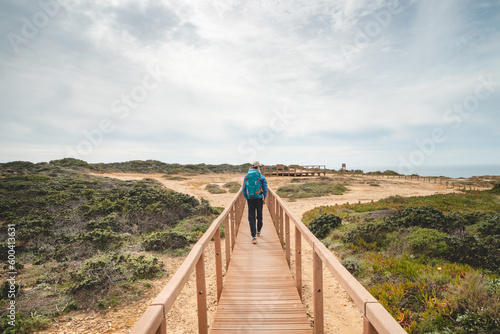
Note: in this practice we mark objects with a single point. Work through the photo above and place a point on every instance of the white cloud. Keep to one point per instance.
(356, 81)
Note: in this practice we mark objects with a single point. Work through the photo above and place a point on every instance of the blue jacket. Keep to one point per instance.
(263, 183)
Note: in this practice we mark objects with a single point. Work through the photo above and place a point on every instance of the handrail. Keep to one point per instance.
(376, 317)
(153, 320)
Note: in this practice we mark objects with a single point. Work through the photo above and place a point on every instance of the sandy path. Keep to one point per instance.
(341, 314)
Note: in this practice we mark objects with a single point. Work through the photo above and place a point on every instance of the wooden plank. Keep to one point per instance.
(227, 238)
(259, 292)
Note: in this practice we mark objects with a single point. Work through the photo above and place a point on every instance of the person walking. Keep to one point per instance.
(255, 192)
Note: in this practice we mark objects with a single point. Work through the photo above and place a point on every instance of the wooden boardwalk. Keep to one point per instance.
(259, 294)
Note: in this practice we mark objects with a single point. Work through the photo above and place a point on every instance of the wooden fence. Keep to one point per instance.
(376, 317)
(294, 170)
(153, 321)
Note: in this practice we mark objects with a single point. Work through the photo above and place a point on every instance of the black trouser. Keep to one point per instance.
(255, 209)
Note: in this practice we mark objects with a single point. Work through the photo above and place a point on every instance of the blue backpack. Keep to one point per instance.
(252, 183)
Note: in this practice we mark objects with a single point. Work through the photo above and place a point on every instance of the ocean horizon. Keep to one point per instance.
(453, 171)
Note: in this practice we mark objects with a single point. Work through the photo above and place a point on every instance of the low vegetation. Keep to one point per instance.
(433, 262)
(135, 166)
(215, 189)
(233, 187)
(322, 186)
(85, 241)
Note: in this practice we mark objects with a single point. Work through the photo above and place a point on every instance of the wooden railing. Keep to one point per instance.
(376, 317)
(294, 170)
(153, 321)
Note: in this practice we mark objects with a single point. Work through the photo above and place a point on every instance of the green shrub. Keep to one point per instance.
(428, 242)
(312, 189)
(5, 290)
(395, 199)
(102, 238)
(158, 241)
(106, 223)
(477, 306)
(474, 252)
(496, 189)
(24, 323)
(233, 187)
(37, 178)
(352, 264)
(421, 216)
(99, 272)
(214, 189)
(144, 267)
(323, 224)
(88, 194)
(103, 271)
(489, 226)
(205, 209)
(71, 163)
(369, 233)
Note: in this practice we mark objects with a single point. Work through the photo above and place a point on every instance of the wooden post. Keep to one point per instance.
(218, 263)
(281, 228)
(236, 211)
(201, 296)
(318, 293)
(227, 240)
(243, 203)
(163, 326)
(298, 261)
(277, 208)
(233, 231)
(287, 239)
(368, 327)
(236, 225)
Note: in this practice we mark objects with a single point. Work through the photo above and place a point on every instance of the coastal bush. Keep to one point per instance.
(99, 272)
(323, 224)
(422, 216)
(214, 189)
(352, 265)
(489, 226)
(428, 242)
(67, 216)
(474, 252)
(233, 187)
(105, 223)
(158, 241)
(371, 232)
(477, 305)
(24, 323)
(305, 190)
(420, 262)
(102, 238)
(105, 270)
(496, 189)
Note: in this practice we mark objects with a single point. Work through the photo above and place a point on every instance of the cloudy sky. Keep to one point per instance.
(365, 82)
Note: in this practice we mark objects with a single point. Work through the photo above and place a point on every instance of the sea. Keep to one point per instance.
(456, 171)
